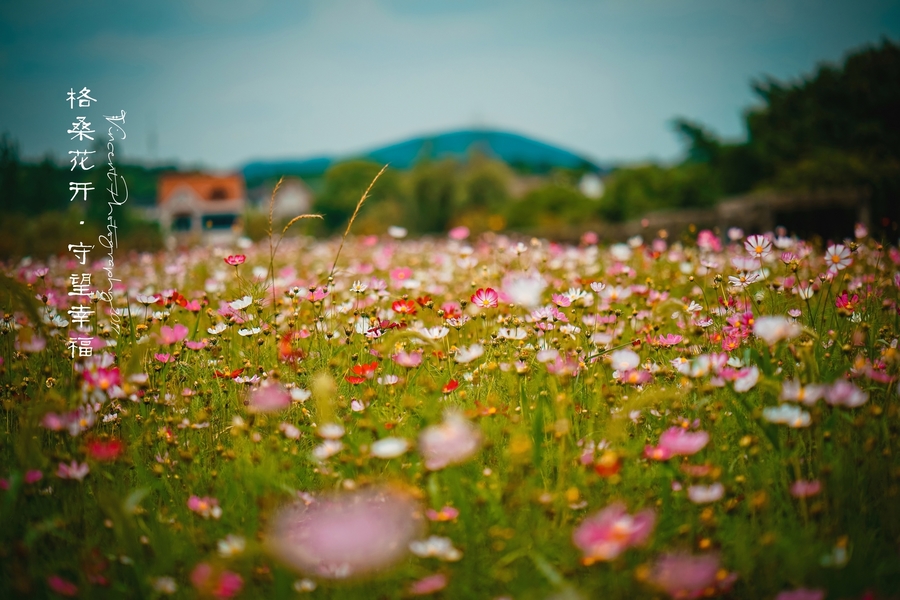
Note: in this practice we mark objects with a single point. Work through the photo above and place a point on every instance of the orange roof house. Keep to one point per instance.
(205, 205)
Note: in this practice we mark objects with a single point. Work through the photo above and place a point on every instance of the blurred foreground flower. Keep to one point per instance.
(269, 398)
(346, 535)
(451, 442)
(686, 576)
(216, 583)
(608, 533)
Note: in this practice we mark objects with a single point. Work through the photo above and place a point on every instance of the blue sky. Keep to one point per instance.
(217, 83)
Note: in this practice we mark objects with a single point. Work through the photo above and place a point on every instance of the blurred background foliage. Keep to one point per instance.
(836, 128)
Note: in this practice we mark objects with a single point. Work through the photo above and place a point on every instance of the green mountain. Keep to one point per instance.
(520, 152)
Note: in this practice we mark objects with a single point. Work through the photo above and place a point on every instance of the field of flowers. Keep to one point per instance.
(470, 418)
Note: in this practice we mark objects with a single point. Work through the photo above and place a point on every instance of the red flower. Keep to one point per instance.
(404, 307)
(226, 375)
(365, 370)
(451, 385)
(355, 380)
(423, 300)
(608, 464)
(235, 259)
(105, 451)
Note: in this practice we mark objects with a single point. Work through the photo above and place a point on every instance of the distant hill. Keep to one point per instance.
(520, 152)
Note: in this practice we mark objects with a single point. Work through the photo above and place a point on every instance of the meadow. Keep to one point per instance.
(457, 416)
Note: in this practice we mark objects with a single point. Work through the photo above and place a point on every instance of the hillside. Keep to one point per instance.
(524, 154)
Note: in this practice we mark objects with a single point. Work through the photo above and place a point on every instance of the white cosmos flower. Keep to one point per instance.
(773, 329)
(231, 546)
(515, 333)
(437, 547)
(300, 395)
(216, 330)
(703, 494)
(624, 360)
(397, 232)
(247, 332)
(390, 447)
(242, 303)
(434, 333)
(466, 355)
(327, 449)
(787, 414)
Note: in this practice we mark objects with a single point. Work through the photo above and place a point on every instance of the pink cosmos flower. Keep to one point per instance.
(349, 534)
(681, 442)
(33, 476)
(837, 258)
(708, 241)
(605, 535)
(447, 513)
(561, 300)
(196, 345)
(235, 259)
(270, 397)
(758, 246)
(408, 359)
(215, 583)
(206, 507)
(32, 345)
(686, 576)
(451, 442)
(801, 594)
(486, 298)
(172, 335)
(670, 339)
(163, 357)
(459, 233)
(73, 470)
(803, 488)
(428, 585)
(794, 391)
(844, 393)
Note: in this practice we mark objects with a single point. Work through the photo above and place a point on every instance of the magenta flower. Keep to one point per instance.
(61, 586)
(451, 442)
(605, 535)
(172, 335)
(33, 476)
(235, 259)
(163, 357)
(485, 298)
(196, 345)
(270, 397)
(215, 583)
(348, 534)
